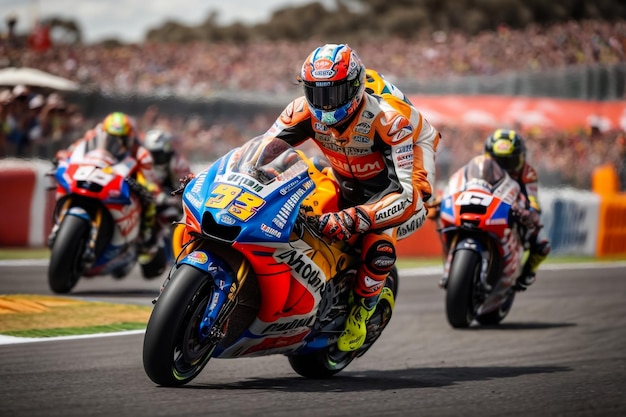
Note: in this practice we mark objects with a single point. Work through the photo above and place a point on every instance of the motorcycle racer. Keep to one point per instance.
(382, 153)
(509, 151)
(118, 131)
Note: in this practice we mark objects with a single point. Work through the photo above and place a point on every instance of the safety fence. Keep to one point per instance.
(577, 222)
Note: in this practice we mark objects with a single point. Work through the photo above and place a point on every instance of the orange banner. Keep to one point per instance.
(525, 112)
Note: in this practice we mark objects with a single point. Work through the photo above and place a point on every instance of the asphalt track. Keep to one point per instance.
(560, 352)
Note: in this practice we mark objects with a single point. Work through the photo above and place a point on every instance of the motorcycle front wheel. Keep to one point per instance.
(66, 254)
(464, 273)
(496, 316)
(174, 353)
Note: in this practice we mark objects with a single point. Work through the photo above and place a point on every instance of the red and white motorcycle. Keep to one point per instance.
(97, 218)
(484, 240)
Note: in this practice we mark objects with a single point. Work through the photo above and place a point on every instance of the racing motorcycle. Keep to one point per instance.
(482, 234)
(253, 275)
(97, 218)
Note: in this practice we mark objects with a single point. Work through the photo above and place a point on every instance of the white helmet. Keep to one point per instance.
(160, 143)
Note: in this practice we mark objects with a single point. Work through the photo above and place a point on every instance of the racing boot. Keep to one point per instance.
(538, 253)
(353, 335)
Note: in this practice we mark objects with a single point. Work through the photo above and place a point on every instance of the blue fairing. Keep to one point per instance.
(123, 198)
(59, 176)
(236, 196)
(502, 212)
(447, 207)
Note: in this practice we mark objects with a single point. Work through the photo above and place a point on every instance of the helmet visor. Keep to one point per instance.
(115, 145)
(511, 164)
(328, 95)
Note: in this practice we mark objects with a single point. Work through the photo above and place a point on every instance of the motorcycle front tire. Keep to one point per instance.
(173, 352)
(66, 254)
(464, 273)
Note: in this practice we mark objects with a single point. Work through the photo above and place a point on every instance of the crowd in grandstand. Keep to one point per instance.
(204, 68)
(35, 124)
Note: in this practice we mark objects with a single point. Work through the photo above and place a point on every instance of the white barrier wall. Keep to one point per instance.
(571, 220)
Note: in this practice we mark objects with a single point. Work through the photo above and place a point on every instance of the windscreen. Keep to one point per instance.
(267, 159)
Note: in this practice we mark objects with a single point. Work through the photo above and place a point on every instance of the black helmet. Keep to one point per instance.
(507, 148)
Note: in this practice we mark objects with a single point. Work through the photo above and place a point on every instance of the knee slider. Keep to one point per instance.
(380, 257)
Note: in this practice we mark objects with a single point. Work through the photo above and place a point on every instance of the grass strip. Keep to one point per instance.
(73, 331)
(25, 314)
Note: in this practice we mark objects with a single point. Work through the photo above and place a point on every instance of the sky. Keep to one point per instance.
(129, 20)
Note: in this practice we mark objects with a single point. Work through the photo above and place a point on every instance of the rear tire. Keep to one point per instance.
(325, 363)
(173, 352)
(66, 255)
(464, 273)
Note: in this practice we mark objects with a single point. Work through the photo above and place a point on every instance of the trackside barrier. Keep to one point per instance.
(570, 219)
(424, 242)
(576, 222)
(612, 230)
(26, 206)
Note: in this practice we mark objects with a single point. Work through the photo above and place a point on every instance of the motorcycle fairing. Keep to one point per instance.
(261, 202)
(476, 214)
(92, 182)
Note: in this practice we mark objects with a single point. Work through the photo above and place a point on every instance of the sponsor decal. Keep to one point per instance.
(352, 151)
(194, 200)
(199, 182)
(367, 114)
(384, 262)
(293, 171)
(362, 169)
(323, 64)
(320, 127)
(290, 325)
(363, 128)
(226, 219)
(270, 231)
(198, 257)
(323, 73)
(360, 139)
(303, 269)
(288, 187)
(245, 181)
(410, 226)
(277, 342)
(324, 138)
(293, 202)
(391, 212)
(405, 149)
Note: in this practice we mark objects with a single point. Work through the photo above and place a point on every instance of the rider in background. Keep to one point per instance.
(508, 149)
(119, 130)
(169, 165)
(382, 153)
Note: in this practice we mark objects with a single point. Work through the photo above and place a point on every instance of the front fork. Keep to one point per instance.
(90, 250)
(224, 300)
(485, 257)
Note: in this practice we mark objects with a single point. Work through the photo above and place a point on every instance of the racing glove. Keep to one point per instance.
(343, 224)
(528, 218)
(183, 183)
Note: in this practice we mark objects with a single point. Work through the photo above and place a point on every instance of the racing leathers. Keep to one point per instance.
(539, 246)
(383, 159)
